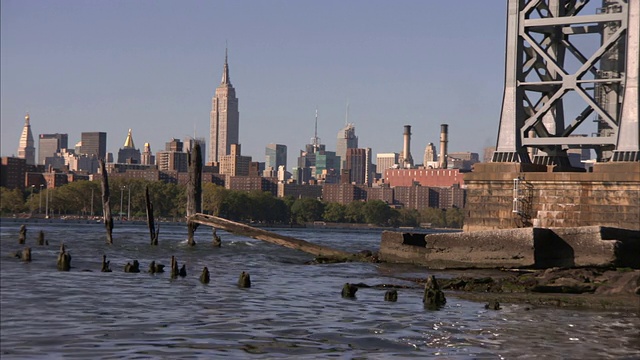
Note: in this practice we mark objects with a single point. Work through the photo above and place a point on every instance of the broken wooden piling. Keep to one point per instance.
(153, 232)
(106, 205)
(274, 238)
(194, 190)
(22, 238)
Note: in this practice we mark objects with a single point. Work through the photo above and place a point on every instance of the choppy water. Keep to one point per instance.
(292, 310)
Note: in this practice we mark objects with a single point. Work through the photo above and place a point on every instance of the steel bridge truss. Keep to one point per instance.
(545, 61)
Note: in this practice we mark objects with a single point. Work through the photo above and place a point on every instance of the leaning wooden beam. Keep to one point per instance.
(106, 205)
(194, 189)
(286, 241)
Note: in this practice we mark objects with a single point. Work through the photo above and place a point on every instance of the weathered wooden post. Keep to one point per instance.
(106, 205)
(41, 240)
(64, 259)
(26, 254)
(245, 280)
(153, 232)
(349, 291)
(132, 268)
(155, 268)
(391, 295)
(105, 264)
(204, 277)
(174, 267)
(194, 190)
(433, 297)
(22, 238)
(217, 242)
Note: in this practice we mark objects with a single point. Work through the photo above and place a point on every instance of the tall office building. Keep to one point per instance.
(347, 139)
(147, 157)
(235, 164)
(225, 118)
(386, 161)
(190, 142)
(430, 159)
(359, 165)
(51, 144)
(275, 156)
(94, 144)
(26, 150)
(128, 154)
(172, 158)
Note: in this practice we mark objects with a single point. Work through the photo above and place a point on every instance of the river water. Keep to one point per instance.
(292, 310)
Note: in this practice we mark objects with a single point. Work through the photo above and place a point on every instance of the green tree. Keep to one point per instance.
(354, 212)
(334, 212)
(455, 217)
(213, 196)
(408, 217)
(376, 212)
(11, 201)
(307, 210)
(435, 216)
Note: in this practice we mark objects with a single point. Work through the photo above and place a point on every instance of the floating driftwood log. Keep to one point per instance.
(194, 190)
(282, 240)
(153, 231)
(106, 205)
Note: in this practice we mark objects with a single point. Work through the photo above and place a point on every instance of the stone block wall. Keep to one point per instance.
(608, 196)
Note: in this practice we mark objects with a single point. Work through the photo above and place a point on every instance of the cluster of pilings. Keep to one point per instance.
(433, 297)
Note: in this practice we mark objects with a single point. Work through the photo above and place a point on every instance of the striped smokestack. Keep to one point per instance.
(406, 148)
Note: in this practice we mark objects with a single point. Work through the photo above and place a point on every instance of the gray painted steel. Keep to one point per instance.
(541, 52)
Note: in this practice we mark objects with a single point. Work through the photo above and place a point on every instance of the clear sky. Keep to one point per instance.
(153, 66)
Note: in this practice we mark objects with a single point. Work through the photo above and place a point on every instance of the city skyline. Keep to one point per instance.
(394, 65)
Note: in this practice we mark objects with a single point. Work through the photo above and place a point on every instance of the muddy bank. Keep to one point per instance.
(589, 288)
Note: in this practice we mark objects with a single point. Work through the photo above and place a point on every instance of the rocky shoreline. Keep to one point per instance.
(585, 288)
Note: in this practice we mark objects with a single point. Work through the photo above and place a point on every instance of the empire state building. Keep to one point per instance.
(225, 118)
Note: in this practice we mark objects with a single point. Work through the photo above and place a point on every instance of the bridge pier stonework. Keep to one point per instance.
(512, 195)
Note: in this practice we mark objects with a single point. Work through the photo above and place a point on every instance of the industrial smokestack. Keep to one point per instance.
(444, 139)
(406, 152)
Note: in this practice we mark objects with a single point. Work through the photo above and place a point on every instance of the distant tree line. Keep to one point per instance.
(169, 200)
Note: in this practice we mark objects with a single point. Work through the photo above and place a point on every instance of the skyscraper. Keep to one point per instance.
(128, 154)
(430, 159)
(347, 139)
(147, 157)
(51, 144)
(358, 162)
(225, 118)
(94, 144)
(26, 150)
(275, 156)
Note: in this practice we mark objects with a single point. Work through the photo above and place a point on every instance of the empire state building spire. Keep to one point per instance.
(226, 80)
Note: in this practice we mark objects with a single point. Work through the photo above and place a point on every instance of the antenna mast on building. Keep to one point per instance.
(315, 141)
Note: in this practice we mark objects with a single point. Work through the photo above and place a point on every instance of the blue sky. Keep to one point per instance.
(153, 66)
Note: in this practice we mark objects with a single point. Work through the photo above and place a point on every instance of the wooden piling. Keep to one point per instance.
(106, 205)
(41, 240)
(194, 190)
(433, 297)
(153, 232)
(64, 259)
(245, 280)
(22, 238)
